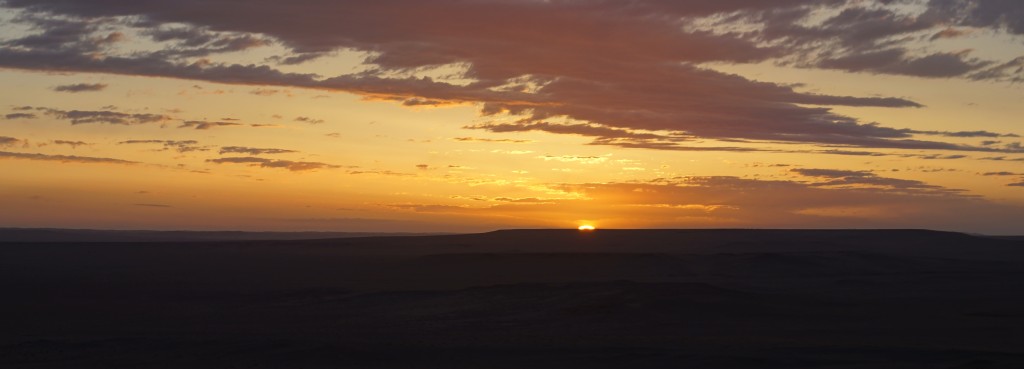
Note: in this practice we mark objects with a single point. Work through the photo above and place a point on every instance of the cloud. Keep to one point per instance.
(851, 153)
(677, 141)
(264, 92)
(582, 129)
(832, 173)
(298, 58)
(1004, 15)
(976, 134)
(866, 179)
(73, 144)
(500, 140)
(1001, 174)
(81, 87)
(309, 120)
(153, 205)
(431, 208)
(181, 146)
(607, 136)
(525, 200)
(796, 204)
(877, 38)
(294, 166)
(11, 141)
(204, 125)
(935, 156)
(853, 28)
(725, 201)
(200, 42)
(104, 116)
(629, 67)
(14, 116)
(381, 172)
(62, 158)
(576, 159)
(67, 33)
(1012, 70)
(949, 33)
(895, 61)
(1001, 158)
(252, 150)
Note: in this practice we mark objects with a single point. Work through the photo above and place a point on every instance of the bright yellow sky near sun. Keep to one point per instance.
(384, 166)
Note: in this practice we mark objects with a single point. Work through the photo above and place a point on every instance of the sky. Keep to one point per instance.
(474, 115)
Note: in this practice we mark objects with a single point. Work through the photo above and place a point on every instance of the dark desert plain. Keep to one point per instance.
(728, 298)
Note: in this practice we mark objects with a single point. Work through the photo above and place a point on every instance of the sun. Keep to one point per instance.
(586, 228)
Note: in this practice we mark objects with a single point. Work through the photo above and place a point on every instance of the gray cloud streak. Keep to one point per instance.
(63, 158)
(81, 87)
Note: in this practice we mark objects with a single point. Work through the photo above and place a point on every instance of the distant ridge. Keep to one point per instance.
(50, 235)
(681, 241)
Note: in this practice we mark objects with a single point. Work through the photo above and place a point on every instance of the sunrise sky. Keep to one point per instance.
(472, 115)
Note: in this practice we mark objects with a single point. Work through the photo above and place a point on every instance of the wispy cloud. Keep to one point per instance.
(295, 166)
(309, 120)
(62, 158)
(576, 159)
(103, 116)
(14, 116)
(73, 144)
(253, 150)
(11, 141)
(81, 87)
(204, 125)
(862, 179)
(181, 146)
(740, 202)
(154, 205)
(497, 140)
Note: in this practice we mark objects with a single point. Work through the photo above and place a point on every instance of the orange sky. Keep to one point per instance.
(471, 115)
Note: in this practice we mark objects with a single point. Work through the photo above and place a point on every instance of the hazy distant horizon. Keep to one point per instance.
(373, 233)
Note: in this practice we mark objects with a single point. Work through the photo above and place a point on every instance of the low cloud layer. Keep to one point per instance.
(824, 198)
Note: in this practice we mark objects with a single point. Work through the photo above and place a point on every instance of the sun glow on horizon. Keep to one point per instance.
(586, 228)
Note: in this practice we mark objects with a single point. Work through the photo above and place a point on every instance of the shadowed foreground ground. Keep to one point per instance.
(521, 299)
